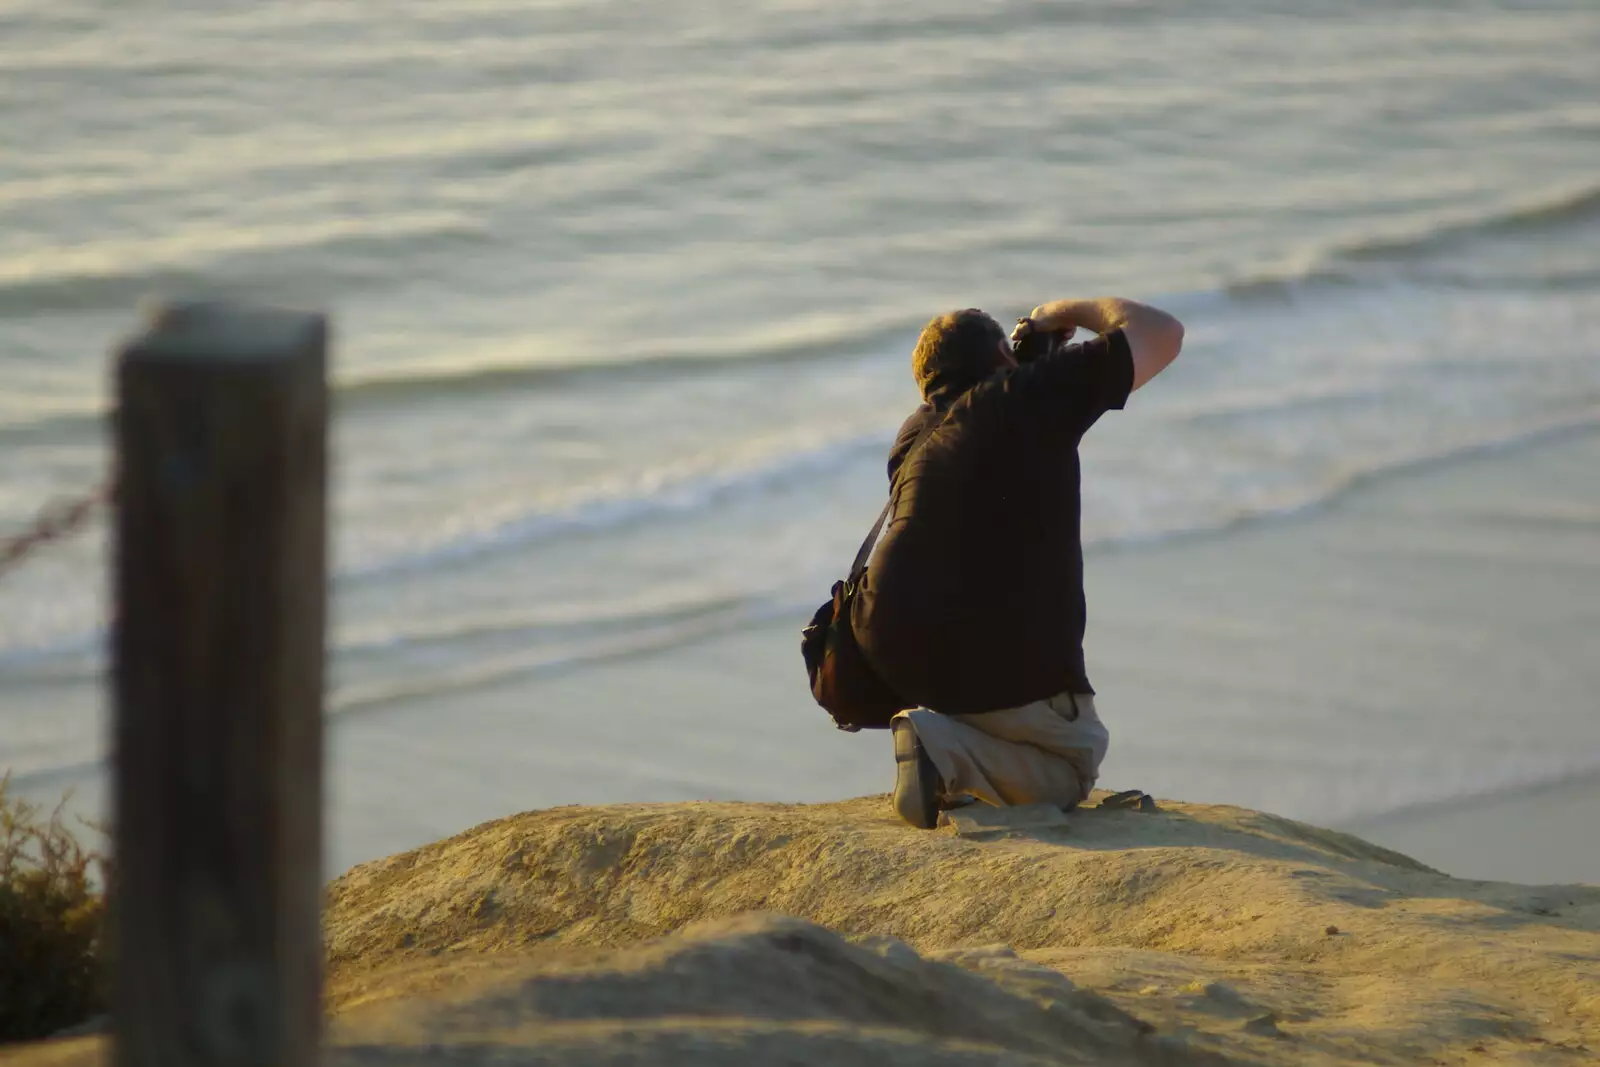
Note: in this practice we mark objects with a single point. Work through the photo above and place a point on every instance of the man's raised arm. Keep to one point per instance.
(1154, 337)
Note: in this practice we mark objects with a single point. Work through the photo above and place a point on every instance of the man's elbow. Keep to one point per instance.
(1166, 342)
(1156, 344)
(1172, 337)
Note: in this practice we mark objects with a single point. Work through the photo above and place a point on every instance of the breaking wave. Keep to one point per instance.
(1345, 261)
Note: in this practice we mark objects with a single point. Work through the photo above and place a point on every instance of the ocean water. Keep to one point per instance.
(624, 293)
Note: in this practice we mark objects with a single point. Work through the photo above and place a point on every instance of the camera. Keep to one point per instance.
(1029, 343)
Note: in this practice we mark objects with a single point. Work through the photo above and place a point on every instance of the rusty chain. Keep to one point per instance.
(55, 522)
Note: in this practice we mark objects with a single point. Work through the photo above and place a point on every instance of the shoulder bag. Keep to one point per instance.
(842, 681)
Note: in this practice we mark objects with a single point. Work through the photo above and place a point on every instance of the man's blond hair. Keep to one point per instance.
(956, 351)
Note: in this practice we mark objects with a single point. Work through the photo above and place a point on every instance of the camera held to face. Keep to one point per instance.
(1029, 343)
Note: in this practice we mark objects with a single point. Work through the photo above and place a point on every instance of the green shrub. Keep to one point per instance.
(52, 918)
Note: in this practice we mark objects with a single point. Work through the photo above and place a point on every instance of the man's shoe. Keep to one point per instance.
(917, 785)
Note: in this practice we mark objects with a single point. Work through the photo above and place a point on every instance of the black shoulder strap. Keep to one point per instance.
(859, 567)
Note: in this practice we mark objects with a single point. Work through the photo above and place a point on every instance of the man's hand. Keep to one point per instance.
(1154, 337)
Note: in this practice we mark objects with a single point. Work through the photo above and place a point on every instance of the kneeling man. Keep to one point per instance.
(973, 602)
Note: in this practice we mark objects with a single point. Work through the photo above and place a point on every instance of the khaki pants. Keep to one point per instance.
(1047, 752)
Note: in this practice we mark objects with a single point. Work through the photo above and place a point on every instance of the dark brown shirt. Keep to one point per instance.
(973, 600)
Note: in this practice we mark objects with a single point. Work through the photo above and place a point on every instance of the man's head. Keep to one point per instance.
(956, 351)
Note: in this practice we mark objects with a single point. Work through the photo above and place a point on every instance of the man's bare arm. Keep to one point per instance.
(1154, 336)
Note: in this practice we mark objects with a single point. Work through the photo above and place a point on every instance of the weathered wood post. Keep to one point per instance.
(220, 593)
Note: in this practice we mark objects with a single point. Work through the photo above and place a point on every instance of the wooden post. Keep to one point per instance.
(220, 593)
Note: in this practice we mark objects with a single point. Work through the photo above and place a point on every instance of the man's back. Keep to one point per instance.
(974, 597)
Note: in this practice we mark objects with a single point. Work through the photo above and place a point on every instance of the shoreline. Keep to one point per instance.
(1224, 663)
(1551, 828)
(1576, 429)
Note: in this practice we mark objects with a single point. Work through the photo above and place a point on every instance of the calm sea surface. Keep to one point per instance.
(624, 292)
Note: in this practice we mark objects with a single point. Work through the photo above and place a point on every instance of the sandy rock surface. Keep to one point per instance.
(722, 933)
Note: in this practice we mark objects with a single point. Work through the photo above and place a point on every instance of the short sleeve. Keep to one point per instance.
(1080, 382)
(907, 437)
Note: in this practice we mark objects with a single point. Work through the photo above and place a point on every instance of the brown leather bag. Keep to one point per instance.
(842, 680)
